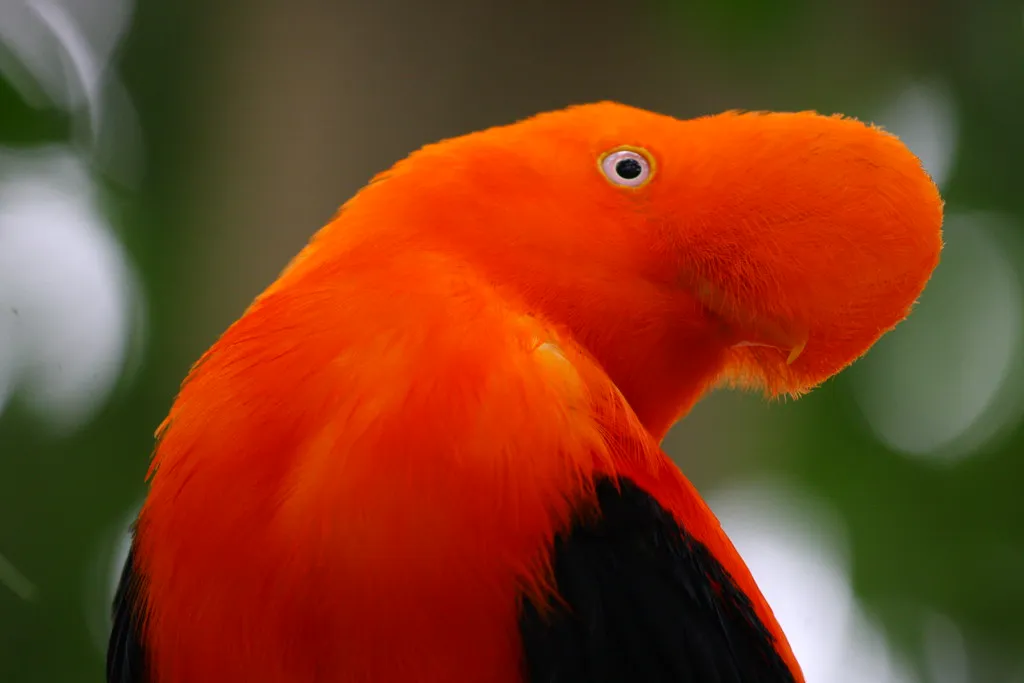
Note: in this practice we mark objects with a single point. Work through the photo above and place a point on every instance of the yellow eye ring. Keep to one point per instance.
(627, 166)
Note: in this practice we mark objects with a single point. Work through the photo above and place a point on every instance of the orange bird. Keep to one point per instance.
(429, 452)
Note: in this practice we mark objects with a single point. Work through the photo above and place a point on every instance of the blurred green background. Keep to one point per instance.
(161, 160)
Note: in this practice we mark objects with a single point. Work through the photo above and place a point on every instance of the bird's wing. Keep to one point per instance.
(125, 651)
(643, 601)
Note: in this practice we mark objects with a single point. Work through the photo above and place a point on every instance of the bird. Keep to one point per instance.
(431, 450)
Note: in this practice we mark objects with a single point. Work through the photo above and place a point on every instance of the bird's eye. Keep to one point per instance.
(626, 167)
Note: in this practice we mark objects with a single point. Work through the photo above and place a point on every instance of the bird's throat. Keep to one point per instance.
(663, 387)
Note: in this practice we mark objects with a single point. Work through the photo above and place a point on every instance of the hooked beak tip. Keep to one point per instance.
(796, 351)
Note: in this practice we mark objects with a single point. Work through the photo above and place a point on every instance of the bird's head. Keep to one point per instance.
(767, 249)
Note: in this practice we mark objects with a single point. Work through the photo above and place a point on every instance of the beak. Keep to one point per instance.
(804, 238)
(752, 329)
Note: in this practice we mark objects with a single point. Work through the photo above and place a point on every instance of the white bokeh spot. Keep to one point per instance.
(67, 304)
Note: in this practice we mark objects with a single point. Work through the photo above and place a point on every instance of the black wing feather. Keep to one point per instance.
(126, 655)
(644, 602)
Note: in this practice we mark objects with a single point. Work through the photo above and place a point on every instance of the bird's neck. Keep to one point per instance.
(659, 347)
(662, 353)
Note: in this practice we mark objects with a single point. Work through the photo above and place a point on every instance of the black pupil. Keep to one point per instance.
(628, 168)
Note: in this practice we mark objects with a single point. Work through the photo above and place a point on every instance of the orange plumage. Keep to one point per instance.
(361, 479)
